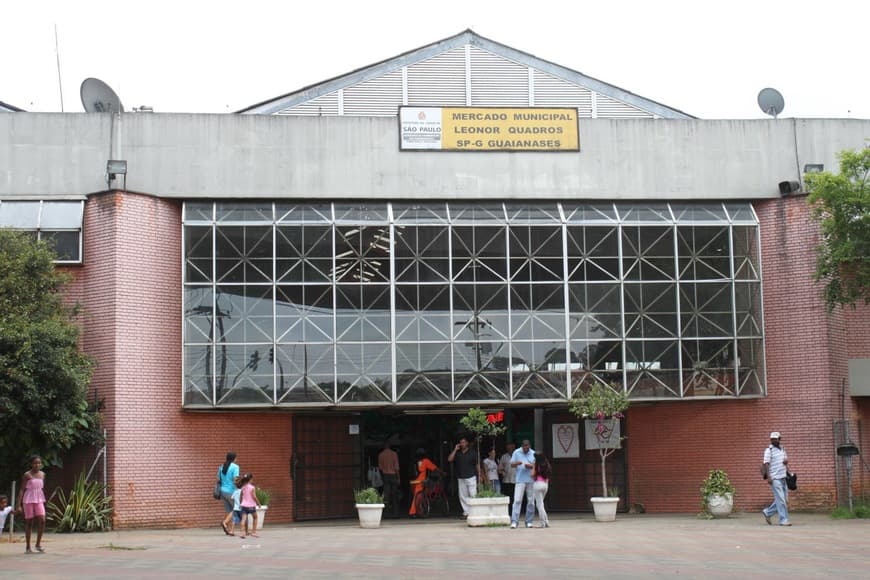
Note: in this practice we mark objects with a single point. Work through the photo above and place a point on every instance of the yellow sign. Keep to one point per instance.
(489, 129)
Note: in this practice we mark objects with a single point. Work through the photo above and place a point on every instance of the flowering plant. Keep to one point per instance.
(604, 404)
(481, 425)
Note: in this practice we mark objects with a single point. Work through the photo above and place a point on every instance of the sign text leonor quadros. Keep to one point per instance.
(488, 129)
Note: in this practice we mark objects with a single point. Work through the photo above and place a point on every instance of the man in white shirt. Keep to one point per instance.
(507, 472)
(523, 459)
(775, 467)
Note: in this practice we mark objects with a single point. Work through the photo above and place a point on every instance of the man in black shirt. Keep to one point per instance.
(464, 460)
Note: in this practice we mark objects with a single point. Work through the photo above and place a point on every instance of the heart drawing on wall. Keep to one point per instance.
(565, 435)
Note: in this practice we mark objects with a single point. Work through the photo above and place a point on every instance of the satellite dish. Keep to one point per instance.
(98, 97)
(771, 102)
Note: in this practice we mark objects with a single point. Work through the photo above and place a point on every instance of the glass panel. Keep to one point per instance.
(415, 213)
(708, 368)
(64, 244)
(594, 311)
(589, 213)
(305, 373)
(304, 253)
(198, 320)
(307, 213)
(650, 310)
(536, 253)
(652, 369)
(539, 370)
(537, 311)
(19, 214)
(479, 254)
(746, 266)
(527, 214)
(741, 212)
(593, 254)
(246, 211)
(244, 313)
(197, 375)
(479, 312)
(303, 313)
(706, 310)
(750, 367)
(703, 253)
(361, 213)
(244, 254)
(364, 372)
(61, 215)
(653, 212)
(198, 253)
(748, 297)
(362, 254)
(423, 371)
(595, 362)
(245, 375)
(362, 312)
(481, 371)
(422, 312)
(422, 254)
(198, 211)
(476, 213)
(648, 253)
(697, 212)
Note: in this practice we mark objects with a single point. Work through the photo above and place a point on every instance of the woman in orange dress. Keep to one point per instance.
(424, 466)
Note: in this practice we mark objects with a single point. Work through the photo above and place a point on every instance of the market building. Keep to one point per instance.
(463, 225)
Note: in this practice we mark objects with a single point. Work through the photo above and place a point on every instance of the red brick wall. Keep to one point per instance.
(673, 446)
(162, 461)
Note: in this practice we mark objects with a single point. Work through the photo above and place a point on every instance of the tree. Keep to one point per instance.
(482, 425)
(841, 205)
(44, 376)
(605, 405)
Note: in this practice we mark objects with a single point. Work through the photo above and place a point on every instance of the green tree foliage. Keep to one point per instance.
(44, 376)
(841, 205)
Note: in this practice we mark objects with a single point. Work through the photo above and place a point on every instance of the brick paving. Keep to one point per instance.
(575, 546)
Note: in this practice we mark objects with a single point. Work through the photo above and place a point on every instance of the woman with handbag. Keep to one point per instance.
(225, 486)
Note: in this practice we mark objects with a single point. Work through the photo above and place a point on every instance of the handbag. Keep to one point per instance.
(791, 480)
(217, 490)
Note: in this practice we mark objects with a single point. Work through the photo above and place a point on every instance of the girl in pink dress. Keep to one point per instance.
(32, 499)
(249, 504)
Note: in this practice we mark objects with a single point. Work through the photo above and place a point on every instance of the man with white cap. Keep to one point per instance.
(774, 471)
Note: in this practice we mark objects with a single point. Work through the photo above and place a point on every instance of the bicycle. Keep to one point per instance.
(432, 499)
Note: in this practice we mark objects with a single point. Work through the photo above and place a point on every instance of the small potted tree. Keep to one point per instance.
(717, 495)
(604, 406)
(263, 497)
(369, 507)
(488, 507)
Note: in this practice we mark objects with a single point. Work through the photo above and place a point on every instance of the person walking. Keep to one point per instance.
(31, 500)
(775, 464)
(418, 485)
(541, 476)
(467, 472)
(523, 459)
(227, 474)
(506, 471)
(249, 503)
(388, 463)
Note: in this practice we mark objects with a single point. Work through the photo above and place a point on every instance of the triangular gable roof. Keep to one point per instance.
(7, 108)
(467, 37)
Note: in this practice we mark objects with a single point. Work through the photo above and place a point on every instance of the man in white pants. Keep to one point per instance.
(467, 472)
(523, 459)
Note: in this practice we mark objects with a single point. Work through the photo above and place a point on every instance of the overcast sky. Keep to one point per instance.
(707, 58)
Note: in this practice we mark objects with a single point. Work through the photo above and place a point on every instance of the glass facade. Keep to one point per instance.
(439, 303)
(58, 223)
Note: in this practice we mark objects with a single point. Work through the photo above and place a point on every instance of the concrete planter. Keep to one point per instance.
(370, 514)
(605, 508)
(720, 506)
(261, 517)
(488, 511)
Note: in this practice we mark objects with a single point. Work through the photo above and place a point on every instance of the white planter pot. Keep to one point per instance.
(488, 511)
(370, 514)
(605, 508)
(261, 517)
(720, 506)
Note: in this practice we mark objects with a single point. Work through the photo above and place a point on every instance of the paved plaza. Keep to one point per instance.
(575, 546)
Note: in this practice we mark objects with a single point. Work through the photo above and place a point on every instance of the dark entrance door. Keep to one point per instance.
(325, 466)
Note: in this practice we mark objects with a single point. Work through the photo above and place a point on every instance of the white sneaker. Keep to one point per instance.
(513, 525)
(528, 525)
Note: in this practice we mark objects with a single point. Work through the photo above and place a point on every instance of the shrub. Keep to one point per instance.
(263, 496)
(83, 510)
(367, 495)
(717, 482)
(486, 491)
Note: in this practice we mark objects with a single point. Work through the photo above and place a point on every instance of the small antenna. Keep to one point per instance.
(771, 102)
(59, 84)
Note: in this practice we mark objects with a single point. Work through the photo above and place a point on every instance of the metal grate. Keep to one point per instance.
(497, 81)
(554, 92)
(321, 106)
(609, 108)
(378, 97)
(439, 80)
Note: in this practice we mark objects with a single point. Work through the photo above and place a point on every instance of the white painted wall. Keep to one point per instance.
(223, 156)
